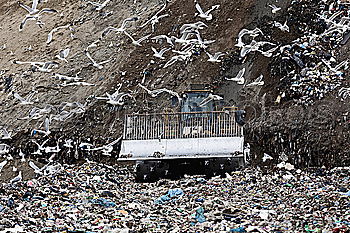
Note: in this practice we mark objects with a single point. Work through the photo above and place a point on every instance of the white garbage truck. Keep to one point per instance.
(202, 136)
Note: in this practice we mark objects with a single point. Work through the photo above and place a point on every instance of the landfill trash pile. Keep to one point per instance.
(304, 50)
(99, 198)
(309, 66)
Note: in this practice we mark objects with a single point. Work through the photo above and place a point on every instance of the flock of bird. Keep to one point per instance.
(183, 47)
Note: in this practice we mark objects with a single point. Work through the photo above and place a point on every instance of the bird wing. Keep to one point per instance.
(218, 55)
(171, 61)
(126, 33)
(114, 142)
(145, 88)
(65, 52)
(95, 3)
(143, 38)
(17, 96)
(209, 55)
(47, 10)
(155, 51)
(108, 30)
(161, 52)
(32, 165)
(27, 8)
(199, 9)
(47, 124)
(24, 22)
(89, 56)
(211, 9)
(35, 4)
(49, 36)
(104, 62)
(163, 8)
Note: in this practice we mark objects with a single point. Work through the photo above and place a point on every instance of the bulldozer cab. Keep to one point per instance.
(194, 100)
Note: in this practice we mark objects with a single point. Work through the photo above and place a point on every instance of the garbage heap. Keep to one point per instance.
(99, 198)
(309, 68)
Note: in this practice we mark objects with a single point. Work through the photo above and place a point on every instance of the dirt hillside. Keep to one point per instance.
(315, 134)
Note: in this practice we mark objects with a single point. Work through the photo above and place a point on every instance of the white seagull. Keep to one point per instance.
(27, 100)
(155, 18)
(94, 63)
(160, 53)
(274, 8)
(266, 157)
(210, 98)
(283, 28)
(34, 14)
(137, 42)
(239, 77)
(36, 169)
(156, 92)
(106, 149)
(45, 67)
(3, 164)
(50, 35)
(17, 178)
(195, 26)
(215, 58)
(63, 54)
(120, 29)
(99, 6)
(5, 134)
(175, 59)
(257, 82)
(206, 15)
(46, 126)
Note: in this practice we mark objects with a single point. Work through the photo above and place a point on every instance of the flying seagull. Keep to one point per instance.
(36, 169)
(175, 59)
(283, 28)
(206, 15)
(160, 53)
(45, 67)
(5, 134)
(46, 126)
(258, 82)
(195, 26)
(25, 101)
(17, 178)
(155, 18)
(99, 6)
(50, 35)
(2, 164)
(106, 149)
(274, 8)
(156, 92)
(137, 42)
(266, 157)
(94, 63)
(116, 98)
(215, 58)
(239, 77)
(63, 55)
(210, 98)
(34, 14)
(120, 29)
